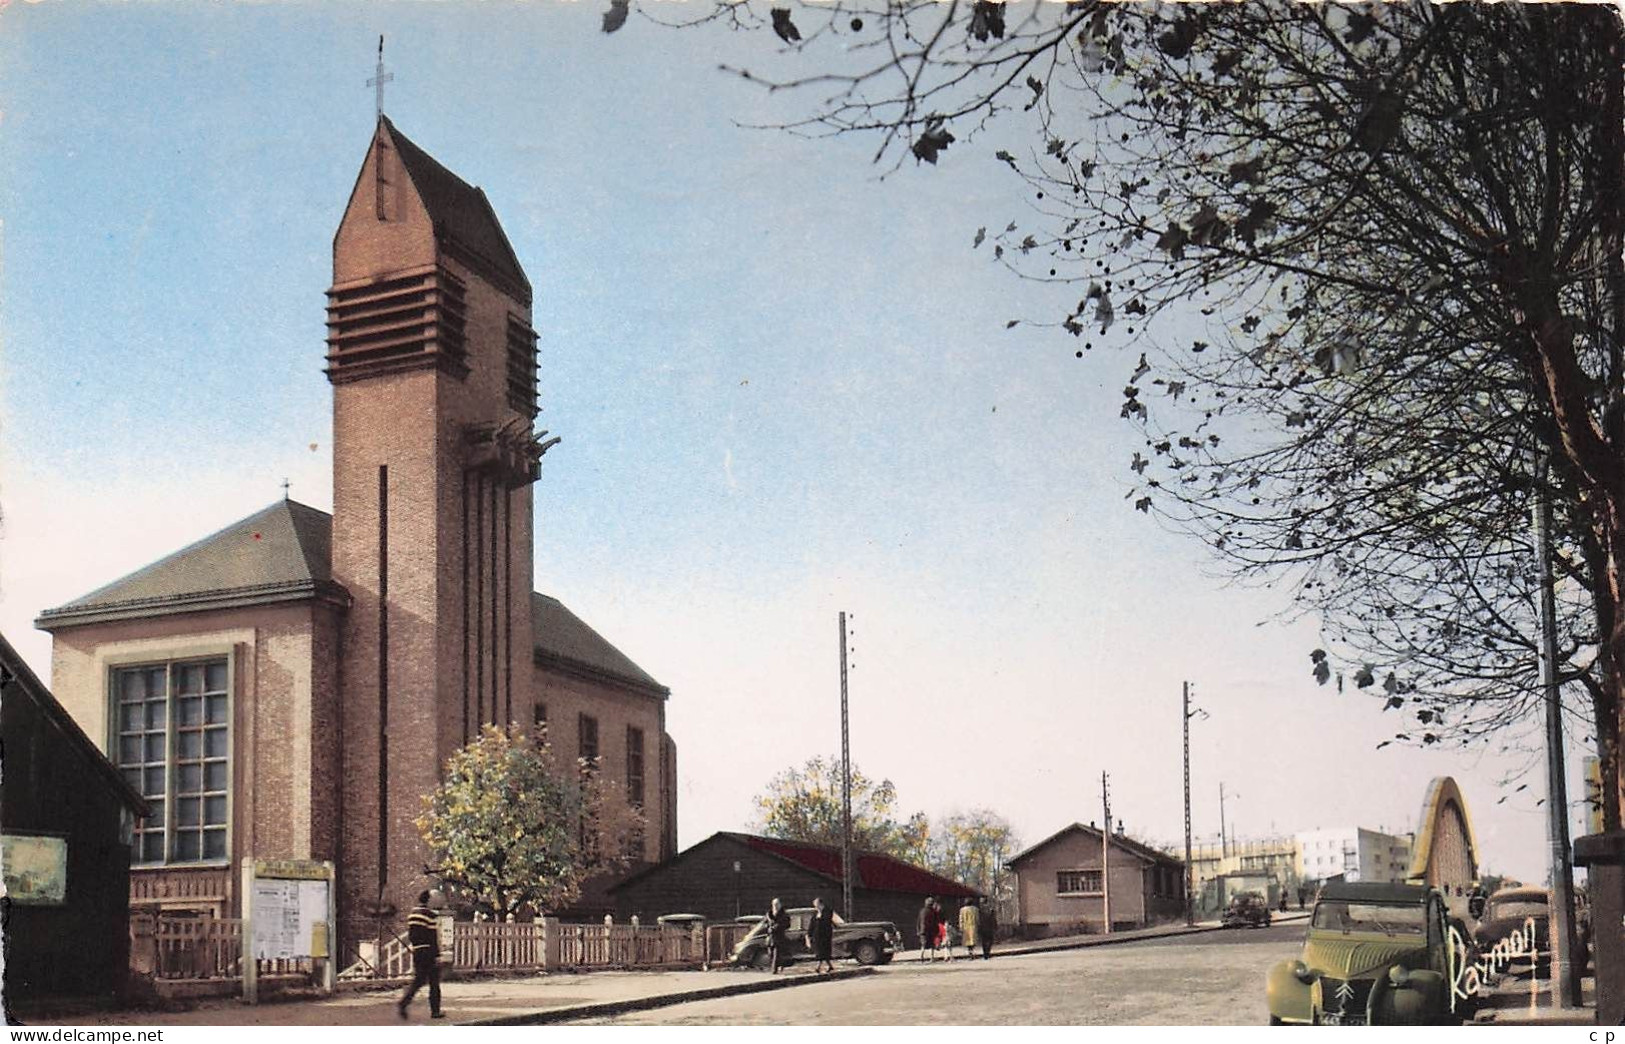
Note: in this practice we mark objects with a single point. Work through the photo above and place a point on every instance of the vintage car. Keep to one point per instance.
(1516, 910)
(1247, 910)
(867, 942)
(1376, 954)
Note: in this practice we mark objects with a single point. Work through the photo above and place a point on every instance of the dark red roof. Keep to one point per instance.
(877, 872)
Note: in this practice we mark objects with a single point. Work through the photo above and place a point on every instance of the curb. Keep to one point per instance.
(662, 1000)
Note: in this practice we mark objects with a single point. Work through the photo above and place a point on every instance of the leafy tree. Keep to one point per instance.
(1371, 259)
(804, 804)
(512, 828)
(973, 848)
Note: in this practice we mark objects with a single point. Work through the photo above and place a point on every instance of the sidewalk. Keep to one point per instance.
(1507, 1004)
(558, 997)
(520, 1000)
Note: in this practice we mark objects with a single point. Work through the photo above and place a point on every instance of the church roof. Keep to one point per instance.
(564, 640)
(461, 214)
(282, 553)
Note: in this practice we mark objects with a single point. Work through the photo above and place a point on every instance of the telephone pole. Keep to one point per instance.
(1190, 911)
(1106, 853)
(1565, 972)
(846, 789)
(1224, 839)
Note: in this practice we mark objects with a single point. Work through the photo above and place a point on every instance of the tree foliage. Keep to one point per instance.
(513, 828)
(973, 848)
(804, 804)
(1369, 258)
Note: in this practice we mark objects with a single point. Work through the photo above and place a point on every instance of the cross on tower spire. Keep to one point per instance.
(380, 77)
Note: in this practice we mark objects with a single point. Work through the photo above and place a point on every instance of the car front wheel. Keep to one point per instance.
(762, 960)
(1275, 1020)
(866, 952)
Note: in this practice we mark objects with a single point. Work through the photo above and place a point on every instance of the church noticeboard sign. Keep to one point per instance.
(36, 868)
(290, 918)
(288, 915)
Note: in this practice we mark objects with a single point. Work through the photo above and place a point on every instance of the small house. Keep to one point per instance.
(1062, 883)
(730, 874)
(66, 819)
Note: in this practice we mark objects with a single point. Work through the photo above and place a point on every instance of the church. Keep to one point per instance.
(290, 686)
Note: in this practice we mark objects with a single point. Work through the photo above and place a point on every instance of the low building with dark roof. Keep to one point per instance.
(290, 686)
(732, 874)
(66, 816)
(1060, 887)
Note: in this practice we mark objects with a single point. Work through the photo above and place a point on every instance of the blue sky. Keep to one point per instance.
(784, 384)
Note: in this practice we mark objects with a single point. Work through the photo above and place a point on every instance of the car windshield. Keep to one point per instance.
(1390, 919)
(1510, 909)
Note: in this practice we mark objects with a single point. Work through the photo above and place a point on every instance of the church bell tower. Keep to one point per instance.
(432, 358)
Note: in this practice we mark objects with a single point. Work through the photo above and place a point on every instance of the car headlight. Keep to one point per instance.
(1399, 975)
(1301, 972)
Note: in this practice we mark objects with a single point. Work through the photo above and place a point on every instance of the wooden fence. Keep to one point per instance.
(211, 948)
(720, 940)
(494, 944)
(628, 946)
(198, 947)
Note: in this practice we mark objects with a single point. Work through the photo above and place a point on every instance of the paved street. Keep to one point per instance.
(1215, 978)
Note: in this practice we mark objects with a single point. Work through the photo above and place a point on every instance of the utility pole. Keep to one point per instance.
(1565, 974)
(846, 790)
(1224, 839)
(1190, 911)
(1106, 853)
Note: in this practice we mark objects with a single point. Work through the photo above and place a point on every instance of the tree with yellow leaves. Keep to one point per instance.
(511, 828)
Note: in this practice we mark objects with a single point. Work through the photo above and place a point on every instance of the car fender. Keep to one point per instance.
(1289, 997)
(1420, 1001)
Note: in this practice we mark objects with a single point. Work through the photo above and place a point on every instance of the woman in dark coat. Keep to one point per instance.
(778, 938)
(926, 923)
(821, 936)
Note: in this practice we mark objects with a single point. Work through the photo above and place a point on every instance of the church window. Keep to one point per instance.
(634, 766)
(174, 749)
(587, 726)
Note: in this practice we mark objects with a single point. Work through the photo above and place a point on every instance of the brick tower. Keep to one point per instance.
(433, 365)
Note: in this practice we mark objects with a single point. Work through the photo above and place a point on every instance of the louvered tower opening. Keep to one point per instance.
(397, 323)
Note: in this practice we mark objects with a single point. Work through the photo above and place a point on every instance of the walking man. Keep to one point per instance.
(987, 924)
(423, 935)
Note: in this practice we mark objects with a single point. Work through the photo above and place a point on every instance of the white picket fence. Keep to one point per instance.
(524, 946)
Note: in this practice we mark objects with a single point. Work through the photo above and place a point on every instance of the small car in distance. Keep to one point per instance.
(1375, 954)
(1247, 910)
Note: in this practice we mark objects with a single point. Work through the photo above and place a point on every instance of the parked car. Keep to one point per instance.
(1376, 954)
(680, 920)
(1528, 910)
(1247, 910)
(867, 942)
(1513, 910)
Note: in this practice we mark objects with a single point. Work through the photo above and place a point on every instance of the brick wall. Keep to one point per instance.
(283, 703)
